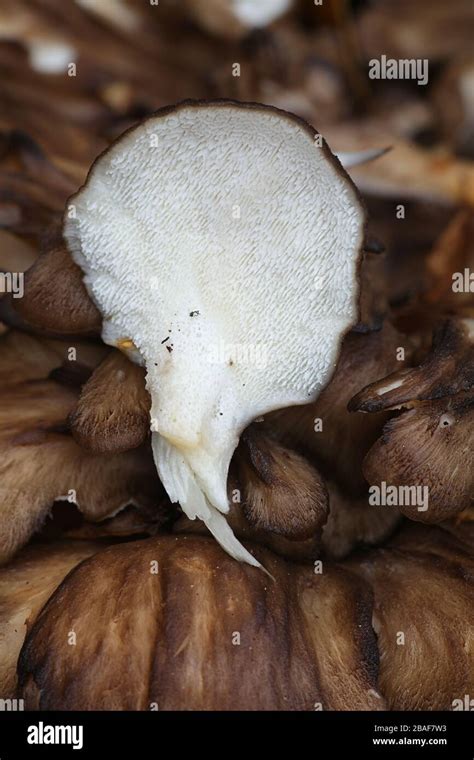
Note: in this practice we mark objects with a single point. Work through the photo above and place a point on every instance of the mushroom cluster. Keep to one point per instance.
(236, 357)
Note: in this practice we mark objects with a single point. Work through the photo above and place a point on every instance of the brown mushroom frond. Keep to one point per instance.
(354, 523)
(423, 614)
(430, 447)
(25, 586)
(448, 369)
(41, 463)
(282, 492)
(181, 618)
(325, 431)
(113, 410)
(25, 358)
(55, 299)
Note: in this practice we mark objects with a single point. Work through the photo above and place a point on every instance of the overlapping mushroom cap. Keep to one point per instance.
(220, 241)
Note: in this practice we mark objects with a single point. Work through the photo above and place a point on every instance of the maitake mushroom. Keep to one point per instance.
(224, 244)
(176, 624)
(199, 277)
(25, 586)
(40, 461)
(431, 444)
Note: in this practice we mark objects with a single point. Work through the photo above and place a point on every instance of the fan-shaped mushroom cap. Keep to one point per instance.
(221, 245)
(112, 413)
(340, 445)
(175, 621)
(39, 460)
(282, 492)
(424, 602)
(55, 299)
(446, 370)
(25, 586)
(432, 444)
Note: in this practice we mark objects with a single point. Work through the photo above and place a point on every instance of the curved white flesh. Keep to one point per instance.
(224, 242)
(358, 157)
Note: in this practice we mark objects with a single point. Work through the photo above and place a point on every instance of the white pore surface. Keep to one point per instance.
(259, 12)
(236, 214)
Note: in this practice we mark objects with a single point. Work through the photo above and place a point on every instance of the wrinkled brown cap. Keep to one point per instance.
(340, 446)
(430, 446)
(283, 493)
(40, 462)
(113, 411)
(25, 586)
(55, 298)
(424, 618)
(175, 622)
(448, 369)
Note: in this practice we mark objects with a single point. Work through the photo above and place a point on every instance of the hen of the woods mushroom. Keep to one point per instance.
(220, 241)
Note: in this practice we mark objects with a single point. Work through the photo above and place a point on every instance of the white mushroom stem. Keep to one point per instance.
(221, 244)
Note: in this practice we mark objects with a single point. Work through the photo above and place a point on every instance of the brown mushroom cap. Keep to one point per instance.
(353, 523)
(339, 448)
(55, 298)
(25, 586)
(283, 493)
(177, 623)
(40, 463)
(113, 411)
(448, 369)
(430, 446)
(423, 590)
(39, 460)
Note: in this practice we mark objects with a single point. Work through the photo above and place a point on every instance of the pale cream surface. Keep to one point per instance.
(223, 241)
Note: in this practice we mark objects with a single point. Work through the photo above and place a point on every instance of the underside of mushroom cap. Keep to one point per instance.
(220, 241)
